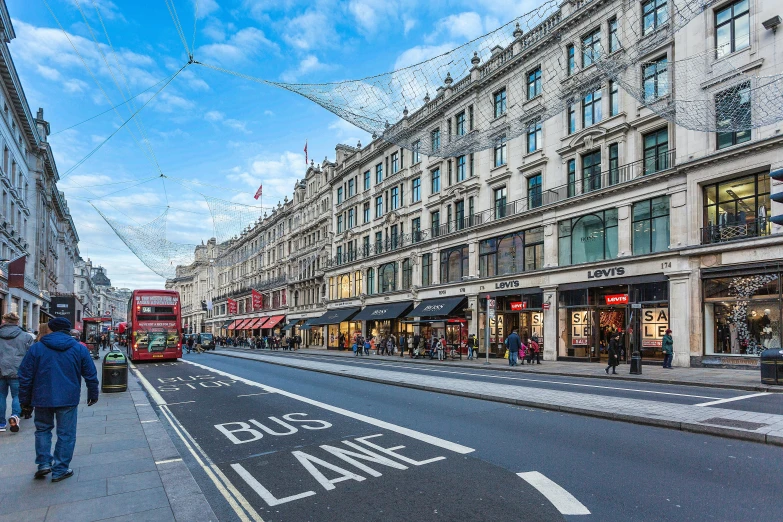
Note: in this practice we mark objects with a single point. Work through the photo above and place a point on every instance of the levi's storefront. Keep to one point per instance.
(590, 312)
(520, 308)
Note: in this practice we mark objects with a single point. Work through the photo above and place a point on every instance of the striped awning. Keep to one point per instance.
(273, 321)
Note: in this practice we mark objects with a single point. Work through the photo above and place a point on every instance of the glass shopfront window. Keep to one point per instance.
(341, 335)
(512, 253)
(523, 312)
(736, 209)
(588, 238)
(742, 314)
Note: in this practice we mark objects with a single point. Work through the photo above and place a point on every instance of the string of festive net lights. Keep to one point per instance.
(541, 75)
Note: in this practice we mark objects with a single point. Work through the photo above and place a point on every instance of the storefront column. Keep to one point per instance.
(473, 305)
(678, 218)
(551, 339)
(624, 231)
(415, 271)
(473, 258)
(679, 317)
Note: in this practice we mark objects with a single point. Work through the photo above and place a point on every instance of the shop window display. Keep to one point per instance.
(742, 314)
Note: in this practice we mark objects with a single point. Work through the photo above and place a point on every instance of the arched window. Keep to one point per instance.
(592, 237)
(296, 298)
(370, 281)
(453, 264)
(387, 277)
(344, 287)
(511, 250)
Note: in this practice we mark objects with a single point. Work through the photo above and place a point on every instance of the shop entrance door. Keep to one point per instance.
(533, 323)
(611, 319)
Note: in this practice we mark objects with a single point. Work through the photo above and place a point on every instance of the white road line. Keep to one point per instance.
(617, 388)
(182, 402)
(146, 421)
(722, 401)
(167, 461)
(253, 394)
(564, 501)
(430, 439)
(227, 490)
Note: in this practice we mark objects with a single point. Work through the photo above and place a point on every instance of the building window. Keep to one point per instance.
(435, 220)
(435, 181)
(512, 253)
(500, 202)
(379, 206)
(387, 277)
(460, 168)
(571, 118)
(591, 171)
(732, 28)
(426, 270)
(733, 110)
(395, 198)
(655, 78)
(460, 120)
(470, 168)
(737, 208)
(435, 140)
(654, 14)
(614, 99)
(453, 264)
(351, 218)
(534, 136)
(395, 163)
(591, 108)
(571, 60)
(416, 229)
(370, 281)
(459, 211)
(339, 195)
(471, 210)
(500, 103)
(651, 226)
(571, 178)
(614, 163)
(366, 245)
(378, 173)
(591, 48)
(407, 273)
(416, 189)
(470, 118)
(534, 83)
(656, 151)
(614, 40)
(534, 198)
(378, 242)
(351, 190)
(366, 213)
(588, 238)
(340, 224)
(500, 151)
(367, 180)
(415, 152)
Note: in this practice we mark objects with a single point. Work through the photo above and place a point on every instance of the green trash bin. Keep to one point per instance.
(115, 373)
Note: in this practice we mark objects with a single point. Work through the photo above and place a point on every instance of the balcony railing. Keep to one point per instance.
(731, 232)
(590, 182)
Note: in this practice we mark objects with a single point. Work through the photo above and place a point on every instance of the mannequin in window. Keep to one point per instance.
(734, 339)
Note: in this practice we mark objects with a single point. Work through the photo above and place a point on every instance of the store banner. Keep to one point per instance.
(617, 299)
(232, 306)
(518, 306)
(655, 322)
(580, 329)
(258, 300)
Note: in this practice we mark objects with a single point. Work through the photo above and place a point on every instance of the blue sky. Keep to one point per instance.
(206, 125)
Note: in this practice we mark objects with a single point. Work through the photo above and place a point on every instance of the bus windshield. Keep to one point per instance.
(155, 341)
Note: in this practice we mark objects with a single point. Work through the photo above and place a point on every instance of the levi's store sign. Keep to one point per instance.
(518, 305)
(617, 299)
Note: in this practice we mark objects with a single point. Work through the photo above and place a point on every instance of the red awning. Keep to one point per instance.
(256, 322)
(244, 324)
(272, 322)
(233, 325)
(263, 322)
(248, 324)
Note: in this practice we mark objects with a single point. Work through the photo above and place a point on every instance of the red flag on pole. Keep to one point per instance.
(305, 151)
(257, 299)
(258, 192)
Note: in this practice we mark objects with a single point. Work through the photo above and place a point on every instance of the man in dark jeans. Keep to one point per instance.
(50, 381)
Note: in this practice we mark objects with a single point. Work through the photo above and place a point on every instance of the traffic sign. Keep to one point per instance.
(491, 308)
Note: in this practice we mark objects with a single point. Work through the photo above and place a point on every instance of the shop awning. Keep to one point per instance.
(249, 324)
(273, 321)
(263, 322)
(241, 324)
(227, 323)
(436, 307)
(289, 326)
(308, 324)
(335, 316)
(233, 325)
(384, 311)
(254, 324)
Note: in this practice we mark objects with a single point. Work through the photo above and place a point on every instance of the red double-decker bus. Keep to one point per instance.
(154, 325)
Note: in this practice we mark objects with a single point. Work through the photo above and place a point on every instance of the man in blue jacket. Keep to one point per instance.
(50, 381)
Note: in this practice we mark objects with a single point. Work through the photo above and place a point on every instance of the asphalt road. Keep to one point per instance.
(288, 444)
(767, 403)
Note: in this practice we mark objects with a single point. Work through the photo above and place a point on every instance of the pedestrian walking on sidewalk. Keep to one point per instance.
(471, 346)
(614, 353)
(50, 382)
(533, 350)
(667, 347)
(14, 343)
(190, 344)
(513, 345)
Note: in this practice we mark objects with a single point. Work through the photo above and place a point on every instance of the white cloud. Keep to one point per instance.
(462, 27)
(308, 64)
(312, 30)
(48, 72)
(240, 46)
(75, 85)
(277, 173)
(219, 117)
(214, 116)
(348, 133)
(206, 7)
(421, 53)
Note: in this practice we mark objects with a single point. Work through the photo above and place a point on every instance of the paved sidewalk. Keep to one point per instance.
(125, 468)
(758, 427)
(748, 380)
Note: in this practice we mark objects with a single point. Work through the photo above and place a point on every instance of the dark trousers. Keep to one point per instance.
(66, 438)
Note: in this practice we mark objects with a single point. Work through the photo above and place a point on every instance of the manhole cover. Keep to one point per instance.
(732, 423)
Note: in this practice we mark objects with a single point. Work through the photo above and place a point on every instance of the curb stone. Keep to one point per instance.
(621, 417)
